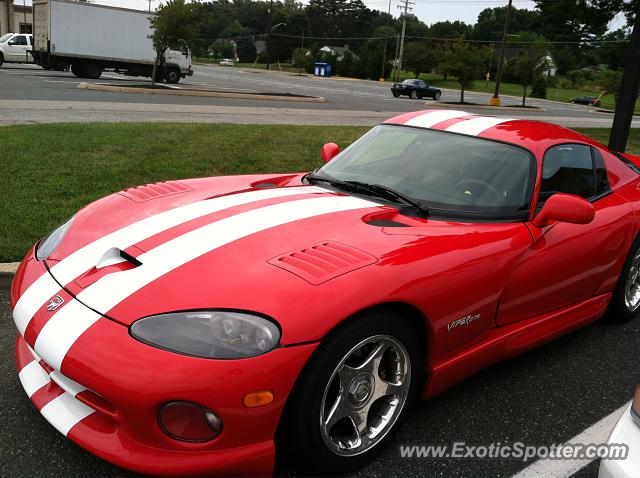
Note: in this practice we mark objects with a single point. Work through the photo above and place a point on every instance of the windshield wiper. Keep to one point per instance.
(388, 193)
(371, 189)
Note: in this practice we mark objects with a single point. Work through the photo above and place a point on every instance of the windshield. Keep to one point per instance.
(449, 173)
(4, 38)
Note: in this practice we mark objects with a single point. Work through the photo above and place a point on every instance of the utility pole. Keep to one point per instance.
(384, 50)
(269, 34)
(626, 101)
(406, 8)
(495, 100)
(149, 6)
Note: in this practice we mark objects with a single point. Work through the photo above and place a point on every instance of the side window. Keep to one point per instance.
(20, 40)
(602, 181)
(567, 168)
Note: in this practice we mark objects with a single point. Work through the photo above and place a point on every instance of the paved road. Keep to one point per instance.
(544, 397)
(30, 94)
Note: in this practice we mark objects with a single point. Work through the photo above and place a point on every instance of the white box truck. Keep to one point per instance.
(90, 39)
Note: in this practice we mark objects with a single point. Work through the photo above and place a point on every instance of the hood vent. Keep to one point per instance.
(155, 190)
(323, 262)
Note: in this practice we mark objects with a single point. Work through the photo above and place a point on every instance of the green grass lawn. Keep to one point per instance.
(51, 171)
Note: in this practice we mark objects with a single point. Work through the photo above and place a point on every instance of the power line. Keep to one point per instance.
(445, 39)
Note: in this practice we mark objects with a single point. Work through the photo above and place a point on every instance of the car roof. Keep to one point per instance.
(536, 136)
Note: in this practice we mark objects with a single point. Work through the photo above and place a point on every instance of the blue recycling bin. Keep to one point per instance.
(322, 69)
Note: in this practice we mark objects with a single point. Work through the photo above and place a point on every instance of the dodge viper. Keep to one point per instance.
(197, 326)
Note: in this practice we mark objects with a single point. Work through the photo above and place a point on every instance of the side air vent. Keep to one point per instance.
(155, 190)
(323, 262)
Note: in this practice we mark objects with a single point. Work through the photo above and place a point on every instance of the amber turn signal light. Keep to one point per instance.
(258, 399)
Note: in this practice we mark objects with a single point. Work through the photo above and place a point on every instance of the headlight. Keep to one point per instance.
(48, 245)
(209, 334)
(635, 406)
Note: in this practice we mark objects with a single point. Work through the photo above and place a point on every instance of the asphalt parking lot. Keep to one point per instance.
(544, 397)
(33, 95)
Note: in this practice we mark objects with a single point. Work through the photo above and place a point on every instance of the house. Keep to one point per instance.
(552, 69)
(15, 17)
(337, 51)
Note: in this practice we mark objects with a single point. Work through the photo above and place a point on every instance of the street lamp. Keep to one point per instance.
(269, 39)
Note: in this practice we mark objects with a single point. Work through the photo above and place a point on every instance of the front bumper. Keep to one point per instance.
(106, 394)
(625, 432)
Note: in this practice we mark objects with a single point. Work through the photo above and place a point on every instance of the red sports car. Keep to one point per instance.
(190, 327)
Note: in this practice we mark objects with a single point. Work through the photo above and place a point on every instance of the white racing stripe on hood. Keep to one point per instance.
(475, 126)
(71, 321)
(432, 118)
(86, 257)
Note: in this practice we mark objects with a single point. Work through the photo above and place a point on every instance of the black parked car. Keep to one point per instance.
(415, 89)
(585, 100)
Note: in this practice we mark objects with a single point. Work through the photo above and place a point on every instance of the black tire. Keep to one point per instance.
(92, 70)
(1, 60)
(619, 311)
(77, 70)
(300, 438)
(413, 95)
(437, 95)
(172, 76)
(396, 94)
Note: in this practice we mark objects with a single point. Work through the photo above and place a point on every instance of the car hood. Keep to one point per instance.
(140, 251)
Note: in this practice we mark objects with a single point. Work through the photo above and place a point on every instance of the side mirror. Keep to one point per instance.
(565, 208)
(329, 151)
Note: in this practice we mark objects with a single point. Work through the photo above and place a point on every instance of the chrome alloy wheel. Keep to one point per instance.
(632, 287)
(365, 395)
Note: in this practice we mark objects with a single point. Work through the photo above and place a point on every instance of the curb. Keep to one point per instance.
(7, 271)
(211, 94)
(486, 107)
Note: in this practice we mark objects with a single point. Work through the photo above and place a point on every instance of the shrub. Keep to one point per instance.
(539, 87)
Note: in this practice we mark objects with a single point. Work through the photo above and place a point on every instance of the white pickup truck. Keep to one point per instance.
(16, 48)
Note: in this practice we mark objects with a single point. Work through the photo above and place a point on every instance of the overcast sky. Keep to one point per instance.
(429, 11)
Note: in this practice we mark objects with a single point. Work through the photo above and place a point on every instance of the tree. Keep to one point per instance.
(613, 54)
(300, 59)
(246, 48)
(222, 49)
(448, 29)
(174, 24)
(490, 22)
(610, 81)
(574, 23)
(418, 58)
(530, 62)
(465, 62)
